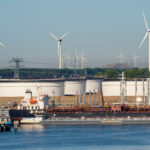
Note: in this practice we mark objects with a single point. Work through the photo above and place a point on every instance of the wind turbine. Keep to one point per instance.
(68, 59)
(83, 60)
(121, 57)
(146, 34)
(76, 59)
(59, 41)
(135, 59)
(63, 61)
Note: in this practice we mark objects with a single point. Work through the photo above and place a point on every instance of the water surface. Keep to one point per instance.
(76, 137)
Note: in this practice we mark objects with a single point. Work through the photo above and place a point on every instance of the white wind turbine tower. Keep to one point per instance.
(63, 61)
(68, 59)
(121, 57)
(76, 60)
(83, 60)
(135, 59)
(59, 40)
(146, 34)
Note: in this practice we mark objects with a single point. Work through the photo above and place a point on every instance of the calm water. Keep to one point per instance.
(75, 137)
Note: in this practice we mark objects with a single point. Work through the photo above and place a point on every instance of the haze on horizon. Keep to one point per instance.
(102, 28)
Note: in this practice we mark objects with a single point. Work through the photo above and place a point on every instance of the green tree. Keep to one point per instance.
(148, 74)
(111, 74)
(99, 74)
(135, 73)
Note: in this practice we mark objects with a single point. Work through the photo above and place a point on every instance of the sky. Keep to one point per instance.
(102, 28)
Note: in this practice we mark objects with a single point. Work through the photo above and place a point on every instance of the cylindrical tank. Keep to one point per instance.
(111, 88)
(56, 88)
(93, 85)
(18, 88)
(74, 87)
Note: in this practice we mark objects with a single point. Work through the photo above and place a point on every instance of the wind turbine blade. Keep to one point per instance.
(64, 35)
(53, 36)
(145, 21)
(143, 39)
(1, 44)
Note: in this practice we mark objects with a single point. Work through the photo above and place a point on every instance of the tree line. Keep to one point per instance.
(37, 73)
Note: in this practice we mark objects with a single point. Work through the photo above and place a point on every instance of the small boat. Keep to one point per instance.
(31, 120)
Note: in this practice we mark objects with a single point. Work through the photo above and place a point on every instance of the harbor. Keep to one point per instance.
(39, 110)
(75, 75)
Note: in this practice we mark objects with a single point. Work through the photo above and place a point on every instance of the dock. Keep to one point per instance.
(5, 122)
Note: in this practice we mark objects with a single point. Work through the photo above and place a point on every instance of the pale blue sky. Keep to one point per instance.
(102, 27)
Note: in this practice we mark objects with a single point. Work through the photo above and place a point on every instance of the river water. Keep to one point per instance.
(77, 137)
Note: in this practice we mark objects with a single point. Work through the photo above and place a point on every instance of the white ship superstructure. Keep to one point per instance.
(30, 103)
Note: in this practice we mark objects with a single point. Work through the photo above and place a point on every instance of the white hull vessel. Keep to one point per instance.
(31, 120)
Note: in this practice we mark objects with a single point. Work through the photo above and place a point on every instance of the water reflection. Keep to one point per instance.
(35, 127)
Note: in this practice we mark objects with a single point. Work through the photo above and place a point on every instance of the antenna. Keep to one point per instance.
(17, 61)
(59, 52)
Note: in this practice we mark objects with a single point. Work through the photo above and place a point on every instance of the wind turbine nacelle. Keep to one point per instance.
(60, 40)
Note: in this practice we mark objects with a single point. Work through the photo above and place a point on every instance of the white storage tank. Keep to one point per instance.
(111, 88)
(12, 88)
(93, 85)
(56, 88)
(74, 87)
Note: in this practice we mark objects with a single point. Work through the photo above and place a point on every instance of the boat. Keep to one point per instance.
(96, 121)
(31, 120)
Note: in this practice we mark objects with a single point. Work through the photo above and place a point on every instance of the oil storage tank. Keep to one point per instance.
(17, 88)
(52, 88)
(73, 87)
(93, 85)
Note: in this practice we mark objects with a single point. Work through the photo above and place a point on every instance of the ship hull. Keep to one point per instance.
(96, 121)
